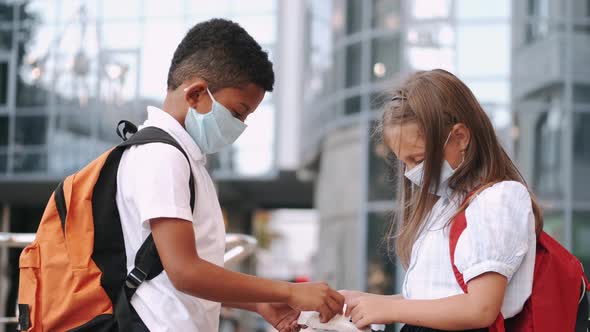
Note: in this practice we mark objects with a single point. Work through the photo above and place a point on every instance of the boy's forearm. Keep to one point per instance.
(211, 282)
(248, 306)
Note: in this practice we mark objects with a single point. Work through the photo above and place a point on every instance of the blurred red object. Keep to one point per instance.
(301, 279)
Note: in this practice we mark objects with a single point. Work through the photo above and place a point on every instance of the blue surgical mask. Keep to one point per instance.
(214, 130)
(416, 176)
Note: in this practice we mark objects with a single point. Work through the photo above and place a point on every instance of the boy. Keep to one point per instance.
(218, 77)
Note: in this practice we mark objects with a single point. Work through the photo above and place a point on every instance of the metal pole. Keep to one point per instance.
(568, 126)
(12, 86)
(365, 142)
(4, 277)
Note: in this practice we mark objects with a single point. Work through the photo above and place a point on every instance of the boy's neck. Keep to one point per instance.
(175, 106)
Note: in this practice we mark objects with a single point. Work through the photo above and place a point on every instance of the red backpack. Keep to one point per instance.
(558, 301)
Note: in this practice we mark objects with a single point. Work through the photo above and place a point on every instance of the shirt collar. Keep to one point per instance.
(161, 119)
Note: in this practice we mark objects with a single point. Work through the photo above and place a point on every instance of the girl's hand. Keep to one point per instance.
(366, 309)
(351, 294)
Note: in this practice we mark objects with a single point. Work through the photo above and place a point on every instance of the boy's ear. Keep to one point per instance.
(194, 91)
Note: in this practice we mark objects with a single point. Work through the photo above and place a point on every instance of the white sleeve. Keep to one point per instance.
(497, 234)
(160, 182)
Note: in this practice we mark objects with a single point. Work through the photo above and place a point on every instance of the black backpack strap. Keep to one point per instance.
(147, 263)
(583, 319)
(156, 135)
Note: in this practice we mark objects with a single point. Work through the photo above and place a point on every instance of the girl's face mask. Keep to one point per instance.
(416, 176)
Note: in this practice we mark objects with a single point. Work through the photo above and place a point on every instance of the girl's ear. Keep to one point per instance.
(461, 136)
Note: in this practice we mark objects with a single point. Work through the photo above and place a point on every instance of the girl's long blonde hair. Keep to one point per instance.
(436, 100)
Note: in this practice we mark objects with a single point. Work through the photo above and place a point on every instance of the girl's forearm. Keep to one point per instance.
(459, 312)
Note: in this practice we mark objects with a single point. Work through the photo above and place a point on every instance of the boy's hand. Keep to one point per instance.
(316, 296)
(280, 316)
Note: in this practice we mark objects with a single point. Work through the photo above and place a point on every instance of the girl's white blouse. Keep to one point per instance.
(500, 237)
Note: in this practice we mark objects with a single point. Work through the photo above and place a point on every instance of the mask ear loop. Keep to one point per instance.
(462, 151)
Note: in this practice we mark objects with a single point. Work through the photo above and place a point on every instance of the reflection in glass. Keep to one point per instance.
(482, 9)
(427, 9)
(30, 130)
(3, 162)
(538, 10)
(3, 131)
(427, 58)
(386, 57)
(353, 65)
(489, 43)
(380, 269)
(548, 170)
(30, 162)
(581, 235)
(553, 224)
(3, 83)
(352, 105)
(382, 171)
(386, 14)
(581, 162)
(115, 9)
(354, 16)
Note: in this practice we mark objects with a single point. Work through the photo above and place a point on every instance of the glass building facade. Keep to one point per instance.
(527, 63)
(69, 70)
(551, 98)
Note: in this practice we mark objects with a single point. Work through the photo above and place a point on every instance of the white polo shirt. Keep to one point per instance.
(153, 182)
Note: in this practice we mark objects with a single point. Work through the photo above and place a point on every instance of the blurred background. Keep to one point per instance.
(307, 178)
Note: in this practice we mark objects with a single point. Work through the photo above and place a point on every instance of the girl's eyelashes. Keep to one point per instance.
(418, 159)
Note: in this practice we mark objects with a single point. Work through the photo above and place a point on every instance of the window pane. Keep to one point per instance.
(489, 44)
(581, 165)
(548, 171)
(3, 83)
(5, 39)
(3, 131)
(553, 224)
(30, 130)
(28, 95)
(380, 269)
(354, 16)
(30, 162)
(254, 6)
(386, 57)
(581, 236)
(352, 105)
(427, 9)
(159, 8)
(382, 166)
(493, 91)
(120, 9)
(386, 14)
(353, 65)
(3, 162)
(473, 9)
(262, 28)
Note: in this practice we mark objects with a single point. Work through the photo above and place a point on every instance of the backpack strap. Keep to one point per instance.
(147, 264)
(458, 225)
(147, 260)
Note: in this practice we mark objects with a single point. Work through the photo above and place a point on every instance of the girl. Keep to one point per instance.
(447, 149)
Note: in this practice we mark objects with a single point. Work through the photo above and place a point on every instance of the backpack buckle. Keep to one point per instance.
(135, 278)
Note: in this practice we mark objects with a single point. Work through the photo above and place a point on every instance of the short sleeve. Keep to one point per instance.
(497, 235)
(160, 182)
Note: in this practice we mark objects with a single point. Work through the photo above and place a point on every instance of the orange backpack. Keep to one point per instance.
(73, 277)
